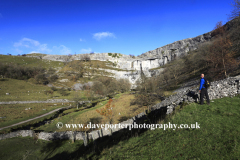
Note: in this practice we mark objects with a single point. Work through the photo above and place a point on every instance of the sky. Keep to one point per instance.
(63, 27)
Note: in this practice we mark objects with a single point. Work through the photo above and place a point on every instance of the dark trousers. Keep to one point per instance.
(204, 92)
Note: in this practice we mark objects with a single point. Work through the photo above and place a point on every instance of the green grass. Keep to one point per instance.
(28, 149)
(217, 138)
(30, 61)
(70, 117)
(18, 90)
(36, 54)
(15, 113)
(84, 116)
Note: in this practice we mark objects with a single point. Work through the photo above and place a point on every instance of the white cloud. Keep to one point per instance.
(18, 51)
(1, 16)
(81, 40)
(34, 46)
(86, 50)
(100, 35)
(63, 50)
(26, 42)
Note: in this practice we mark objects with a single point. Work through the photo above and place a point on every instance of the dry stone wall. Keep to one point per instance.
(48, 101)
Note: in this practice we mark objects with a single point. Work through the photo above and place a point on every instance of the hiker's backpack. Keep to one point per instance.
(207, 83)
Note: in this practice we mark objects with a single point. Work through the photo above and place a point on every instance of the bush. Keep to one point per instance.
(19, 72)
(144, 99)
(54, 89)
(63, 92)
(124, 85)
(99, 88)
(48, 92)
(106, 86)
(131, 55)
(148, 92)
(85, 57)
(53, 78)
(41, 79)
(51, 71)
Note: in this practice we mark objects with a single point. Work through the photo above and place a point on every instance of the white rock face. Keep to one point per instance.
(64, 80)
(176, 49)
(152, 59)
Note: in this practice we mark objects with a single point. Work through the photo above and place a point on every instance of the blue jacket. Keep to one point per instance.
(202, 82)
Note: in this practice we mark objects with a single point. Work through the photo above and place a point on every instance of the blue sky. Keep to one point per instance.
(119, 26)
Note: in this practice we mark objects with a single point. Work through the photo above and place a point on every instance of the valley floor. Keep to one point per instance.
(217, 138)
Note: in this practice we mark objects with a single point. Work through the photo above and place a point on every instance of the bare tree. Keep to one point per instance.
(221, 56)
(85, 57)
(235, 13)
(175, 71)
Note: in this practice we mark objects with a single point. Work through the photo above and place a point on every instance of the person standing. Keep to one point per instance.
(203, 90)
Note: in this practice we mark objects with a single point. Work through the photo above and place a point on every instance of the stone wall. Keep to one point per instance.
(47, 101)
(23, 133)
(219, 89)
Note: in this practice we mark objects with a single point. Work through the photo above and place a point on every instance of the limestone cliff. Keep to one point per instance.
(179, 48)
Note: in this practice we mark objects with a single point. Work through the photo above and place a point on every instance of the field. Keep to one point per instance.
(30, 61)
(121, 112)
(14, 113)
(217, 138)
(26, 91)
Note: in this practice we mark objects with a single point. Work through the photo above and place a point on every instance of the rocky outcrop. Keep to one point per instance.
(80, 86)
(179, 48)
(130, 67)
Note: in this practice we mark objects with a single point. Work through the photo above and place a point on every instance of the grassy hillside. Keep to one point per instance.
(30, 61)
(217, 138)
(121, 112)
(21, 90)
(14, 113)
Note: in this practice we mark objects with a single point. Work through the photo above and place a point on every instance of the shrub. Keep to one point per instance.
(85, 57)
(99, 88)
(124, 85)
(41, 79)
(107, 111)
(19, 72)
(51, 70)
(131, 55)
(54, 88)
(63, 92)
(53, 78)
(48, 92)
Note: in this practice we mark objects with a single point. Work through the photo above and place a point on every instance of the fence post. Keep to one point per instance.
(237, 84)
(85, 139)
